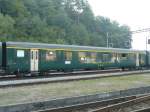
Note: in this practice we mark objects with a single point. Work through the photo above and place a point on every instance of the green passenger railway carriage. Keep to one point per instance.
(23, 57)
(0, 54)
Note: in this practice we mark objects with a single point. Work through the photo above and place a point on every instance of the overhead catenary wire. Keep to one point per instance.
(141, 31)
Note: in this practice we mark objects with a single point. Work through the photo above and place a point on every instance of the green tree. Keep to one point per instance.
(59, 21)
(6, 27)
(13, 8)
(78, 35)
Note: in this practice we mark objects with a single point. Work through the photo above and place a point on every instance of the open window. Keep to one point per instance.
(87, 57)
(50, 55)
(82, 57)
(124, 56)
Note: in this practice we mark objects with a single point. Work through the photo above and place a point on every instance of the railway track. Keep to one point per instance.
(71, 77)
(88, 106)
(56, 74)
(113, 105)
(143, 110)
(133, 104)
(109, 102)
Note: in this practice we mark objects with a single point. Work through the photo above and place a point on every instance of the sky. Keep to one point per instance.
(134, 13)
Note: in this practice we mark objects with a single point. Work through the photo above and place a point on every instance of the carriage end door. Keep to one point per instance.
(137, 60)
(34, 59)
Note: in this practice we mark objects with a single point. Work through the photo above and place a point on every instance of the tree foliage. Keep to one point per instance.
(59, 21)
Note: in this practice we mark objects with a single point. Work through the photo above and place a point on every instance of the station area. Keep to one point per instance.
(49, 91)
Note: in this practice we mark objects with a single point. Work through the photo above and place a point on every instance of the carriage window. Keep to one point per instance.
(124, 56)
(99, 57)
(36, 54)
(87, 57)
(93, 57)
(114, 57)
(131, 56)
(142, 58)
(68, 55)
(50, 55)
(20, 53)
(82, 57)
(106, 57)
(32, 54)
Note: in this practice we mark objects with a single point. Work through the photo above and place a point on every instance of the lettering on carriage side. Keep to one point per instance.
(67, 62)
(20, 53)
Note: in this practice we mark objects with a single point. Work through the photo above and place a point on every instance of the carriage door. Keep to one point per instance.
(34, 60)
(137, 60)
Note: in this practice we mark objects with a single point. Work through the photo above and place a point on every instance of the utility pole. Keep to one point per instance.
(147, 59)
(107, 36)
(109, 43)
(146, 42)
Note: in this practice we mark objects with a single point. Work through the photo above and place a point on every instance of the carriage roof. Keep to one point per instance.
(69, 47)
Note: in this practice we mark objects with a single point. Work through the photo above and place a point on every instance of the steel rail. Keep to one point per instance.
(55, 74)
(90, 105)
(143, 110)
(118, 106)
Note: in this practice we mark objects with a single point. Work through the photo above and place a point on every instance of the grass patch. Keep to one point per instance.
(68, 89)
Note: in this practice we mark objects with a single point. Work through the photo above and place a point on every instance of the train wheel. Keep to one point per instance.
(34, 74)
(19, 75)
(123, 68)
